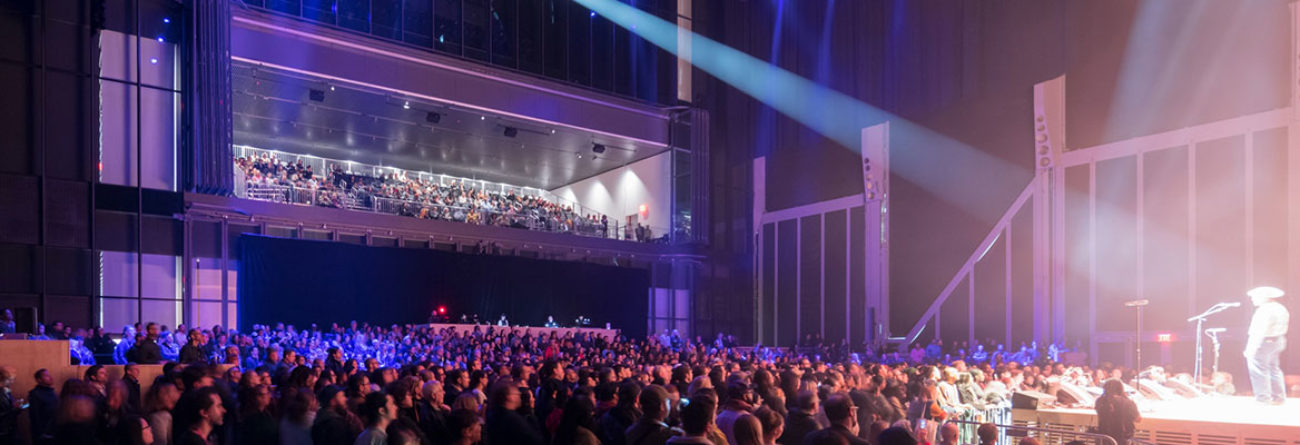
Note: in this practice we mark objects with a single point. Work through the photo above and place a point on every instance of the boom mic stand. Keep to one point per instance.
(1200, 323)
(1139, 304)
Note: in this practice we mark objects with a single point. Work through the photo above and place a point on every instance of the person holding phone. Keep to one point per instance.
(10, 407)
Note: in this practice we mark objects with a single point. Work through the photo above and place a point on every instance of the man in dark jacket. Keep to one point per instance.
(147, 351)
(192, 353)
(502, 424)
(44, 405)
(844, 422)
(131, 378)
(651, 429)
(801, 421)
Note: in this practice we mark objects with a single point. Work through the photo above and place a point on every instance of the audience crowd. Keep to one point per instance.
(396, 193)
(412, 384)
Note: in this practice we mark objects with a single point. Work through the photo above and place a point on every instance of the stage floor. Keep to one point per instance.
(1238, 410)
(1207, 420)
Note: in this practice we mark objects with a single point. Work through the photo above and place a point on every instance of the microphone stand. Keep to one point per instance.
(1200, 323)
(1214, 337)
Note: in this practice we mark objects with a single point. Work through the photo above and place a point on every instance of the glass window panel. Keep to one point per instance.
(602, 56)
(115, 313)
(504, 19)
(232, 280)
(446, 26)
(117, 133)
(205, 273)
(159, 66)
(476, 28)
(355, 15)
(117, 274)
(580, 19)
(116, 56)
(386, 19)
(293, 7)
(530, 35)
(161, 276)
(682, 306)
(417, 22)
(232, 315)
(555, 45)
(206, 314)
(164, 312)
(324, 11)
(158, 119)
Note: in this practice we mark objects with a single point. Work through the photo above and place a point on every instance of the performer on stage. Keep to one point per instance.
(1267, 339)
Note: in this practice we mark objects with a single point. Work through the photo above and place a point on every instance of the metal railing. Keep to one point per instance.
(1047, 436)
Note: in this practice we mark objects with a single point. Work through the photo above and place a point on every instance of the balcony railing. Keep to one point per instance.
(530, 219)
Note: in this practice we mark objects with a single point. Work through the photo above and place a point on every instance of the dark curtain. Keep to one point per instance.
(303, 282)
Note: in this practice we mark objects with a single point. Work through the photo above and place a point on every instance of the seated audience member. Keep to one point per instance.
(256, 423)
(335, 424)
(747, 430)
(577, 422)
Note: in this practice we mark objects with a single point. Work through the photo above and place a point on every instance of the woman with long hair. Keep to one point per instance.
(577, 424)
(1116, 413)
(158, 404)
(256, 424)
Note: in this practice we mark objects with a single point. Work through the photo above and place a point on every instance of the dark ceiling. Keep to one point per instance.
(275, 110)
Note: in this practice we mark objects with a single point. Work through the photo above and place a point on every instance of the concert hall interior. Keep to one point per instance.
(732, 222)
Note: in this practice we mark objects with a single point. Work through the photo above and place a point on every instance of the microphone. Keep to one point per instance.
(1232, 304)
(1215, 330)
(1137, 303)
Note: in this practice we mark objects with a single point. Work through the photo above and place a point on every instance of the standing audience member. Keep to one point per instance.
(843, 417)
(773, 424)
(335, 424)
(197, 415)
(299, 410)
(801, 421)
(617, 420)
(44, 406)
(158, 404)
(988, 434)
(651, 428)
(697, 418)
(10, 407)
(465, 427)
(948, 434)
(131, 377)
(256, 424)
(503, 425)
(1116, 413)
(748, 431)
(379, 410)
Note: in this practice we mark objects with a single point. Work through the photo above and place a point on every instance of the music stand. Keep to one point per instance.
(1200, 323)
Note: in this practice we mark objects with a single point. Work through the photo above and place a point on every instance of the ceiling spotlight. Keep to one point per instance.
(511, 132)
(597, 148)
(552, 131)
(406, 105)
(331, 87)
(482, 118)
(432, 117)
(316, 95)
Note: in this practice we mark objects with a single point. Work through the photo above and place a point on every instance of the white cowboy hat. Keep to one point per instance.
(1269, 292)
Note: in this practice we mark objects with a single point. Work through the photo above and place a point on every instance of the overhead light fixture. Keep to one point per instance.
(316, 95)
(432, 117)
(406, 105)
(482, 118)
(597, 148)
(511, 132)
(331, 87)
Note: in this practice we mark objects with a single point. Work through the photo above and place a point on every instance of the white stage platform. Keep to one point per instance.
(1201, 421)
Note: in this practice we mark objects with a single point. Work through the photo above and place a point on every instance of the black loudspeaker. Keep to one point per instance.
(1031, 400)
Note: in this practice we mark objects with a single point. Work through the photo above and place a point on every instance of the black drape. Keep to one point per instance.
(303, 282)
